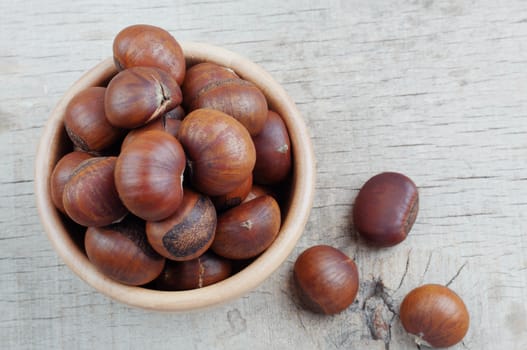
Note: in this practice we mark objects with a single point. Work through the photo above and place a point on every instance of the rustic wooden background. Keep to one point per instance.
(434, 89)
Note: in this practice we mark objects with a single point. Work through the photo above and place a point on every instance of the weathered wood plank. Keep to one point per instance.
(434, 89)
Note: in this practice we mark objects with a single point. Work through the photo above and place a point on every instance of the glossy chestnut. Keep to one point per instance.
(188, 233)
(220, 152)
(386, 208)
(327, 279)
(138, 95)
(247, 230)
(149, 46)
(238, 98)
(90, 197)
(61, 174)
(149, 175)
(199, 76)
(121, 252)
(168, 122)
(86, 123)
(273, 151)
(435, 315)
(200, 272)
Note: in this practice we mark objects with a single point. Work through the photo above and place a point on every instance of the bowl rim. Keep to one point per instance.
(236, 285)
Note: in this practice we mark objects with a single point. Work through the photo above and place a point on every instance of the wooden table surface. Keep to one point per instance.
(434, 89)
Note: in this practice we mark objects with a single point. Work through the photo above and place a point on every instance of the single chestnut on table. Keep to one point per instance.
(273, 151)
(247, 230)
(90, 197)
(149, 175)
(61, 174)
(138, 95)
(86, 123)
(386, 208)
(435, 315)
(121, 251)
(200, 272)
(327, 279)
(189, 232)
(149, 46)
(220, 151)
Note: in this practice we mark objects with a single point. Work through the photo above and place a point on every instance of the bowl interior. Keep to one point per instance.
(67, 240)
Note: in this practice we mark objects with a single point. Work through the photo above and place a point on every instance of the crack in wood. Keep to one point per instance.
(405, 271)
(456, 275)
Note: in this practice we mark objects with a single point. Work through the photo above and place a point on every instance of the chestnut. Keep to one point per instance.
(149, 175)
(138, 95)
(236, 97)
(435, 315)
(386, 208)
(90, 197)
(199, 76)
(169, 122)
(149, 46)
(247, 230)
(327, 279)
(61, 174)
(85, 121)
(121, 252)
(187, 233)
(233, 198)
(205, 270)
(220, 152)
(273, 151)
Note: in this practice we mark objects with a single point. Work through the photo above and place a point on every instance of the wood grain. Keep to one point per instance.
(433, 89)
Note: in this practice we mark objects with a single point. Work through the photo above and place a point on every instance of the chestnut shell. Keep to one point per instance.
(149, 46)
(247, 230)
(220, 152)
(138, 95)
(90, 197)
(435, 314)
(200, 272)
(122, 252)
(326, 278)
(149, 175)
(187, 233)
(386, 208)
(61, 174)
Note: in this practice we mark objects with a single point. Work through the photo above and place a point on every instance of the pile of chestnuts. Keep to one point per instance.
(173, 170)
(384, 212)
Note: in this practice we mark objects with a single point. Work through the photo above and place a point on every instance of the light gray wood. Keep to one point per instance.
(434, 89)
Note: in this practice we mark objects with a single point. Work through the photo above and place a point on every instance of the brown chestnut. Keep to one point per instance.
(187, 233)
(138, 95)
(220, 152)
(149, 175)
(61, 174)
(273, 151)
(169, 122)
(247, 230)
(149, 46)
(435, 315)
(199, 76)
(386, 208)
(205, 270)
(238, 98)
(90, 197)
(85, 121)
(327, 279)
(122, 252)
(233, 198)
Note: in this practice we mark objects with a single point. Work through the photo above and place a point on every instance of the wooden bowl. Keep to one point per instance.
(54, 144)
